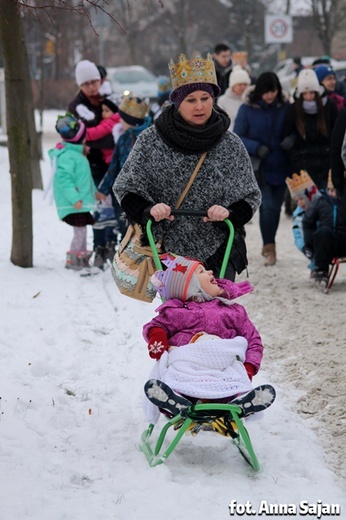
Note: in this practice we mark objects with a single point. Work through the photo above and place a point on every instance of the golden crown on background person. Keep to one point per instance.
(133, 106)
(299, 183)
(196, 70)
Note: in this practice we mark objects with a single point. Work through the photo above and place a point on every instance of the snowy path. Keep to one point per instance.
(73, 365)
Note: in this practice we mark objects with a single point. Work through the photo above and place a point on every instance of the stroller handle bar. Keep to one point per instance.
(195, 213)
(189, 212)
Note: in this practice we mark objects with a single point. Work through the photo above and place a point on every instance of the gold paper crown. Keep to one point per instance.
(196, 70)
(134, 108)
(299, 183)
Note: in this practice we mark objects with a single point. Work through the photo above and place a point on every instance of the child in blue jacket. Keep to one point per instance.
(302, 190)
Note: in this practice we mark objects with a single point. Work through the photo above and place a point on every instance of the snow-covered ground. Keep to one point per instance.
(73, 366)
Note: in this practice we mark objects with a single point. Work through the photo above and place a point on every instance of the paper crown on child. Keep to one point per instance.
(175, 280)
(71, 129)
(197, 70)
(133, 109)
(299, 183)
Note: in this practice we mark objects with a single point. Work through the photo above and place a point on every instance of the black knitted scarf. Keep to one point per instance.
(188, 139)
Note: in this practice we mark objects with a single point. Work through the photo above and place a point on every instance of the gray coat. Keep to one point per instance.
(159, 173)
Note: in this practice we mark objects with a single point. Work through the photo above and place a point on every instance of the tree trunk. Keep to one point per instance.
(21, 131)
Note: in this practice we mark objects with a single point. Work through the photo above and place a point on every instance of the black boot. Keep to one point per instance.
(99, 258)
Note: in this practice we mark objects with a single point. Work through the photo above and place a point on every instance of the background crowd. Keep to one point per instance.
(284, 133)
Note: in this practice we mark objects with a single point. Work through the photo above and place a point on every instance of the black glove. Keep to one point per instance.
(288, 143)
(308, 252)
(262, 151)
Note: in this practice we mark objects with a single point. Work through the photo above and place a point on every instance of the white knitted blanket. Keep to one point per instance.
(209, 369)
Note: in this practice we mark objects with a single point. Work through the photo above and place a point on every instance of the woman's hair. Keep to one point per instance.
(300, 120)
(266, 82)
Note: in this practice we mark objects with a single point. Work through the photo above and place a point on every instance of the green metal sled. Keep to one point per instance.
(198, 414)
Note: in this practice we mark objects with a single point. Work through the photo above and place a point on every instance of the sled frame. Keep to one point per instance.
(156, 454)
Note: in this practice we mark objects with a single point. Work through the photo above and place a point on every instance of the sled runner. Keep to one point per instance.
(224, 419)
(333, 271)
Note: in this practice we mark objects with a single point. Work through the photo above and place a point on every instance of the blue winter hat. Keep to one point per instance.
(322, 71)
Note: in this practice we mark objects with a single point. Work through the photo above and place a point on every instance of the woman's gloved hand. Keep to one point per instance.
(262, 151)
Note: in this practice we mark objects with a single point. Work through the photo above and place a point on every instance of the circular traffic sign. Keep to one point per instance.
(278, 28)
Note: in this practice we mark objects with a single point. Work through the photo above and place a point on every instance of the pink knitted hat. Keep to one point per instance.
(175, 280)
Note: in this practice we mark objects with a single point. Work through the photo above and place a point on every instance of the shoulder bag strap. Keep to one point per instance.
(192, 178)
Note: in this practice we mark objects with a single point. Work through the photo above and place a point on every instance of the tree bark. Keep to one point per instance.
(21, 131)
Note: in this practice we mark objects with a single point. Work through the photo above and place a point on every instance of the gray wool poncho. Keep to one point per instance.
(159, 173)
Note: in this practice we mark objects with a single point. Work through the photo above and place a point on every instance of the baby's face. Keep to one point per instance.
(207, 281)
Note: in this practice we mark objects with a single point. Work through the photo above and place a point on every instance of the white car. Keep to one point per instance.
(133, 79)
(285, 71)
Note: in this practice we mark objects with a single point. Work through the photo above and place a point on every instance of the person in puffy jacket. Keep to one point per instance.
(308, 128)
(260, 125)
(197, 305)
(74, 189)
(324, 227)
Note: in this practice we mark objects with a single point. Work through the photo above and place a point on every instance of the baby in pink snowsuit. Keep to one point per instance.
(197, 302)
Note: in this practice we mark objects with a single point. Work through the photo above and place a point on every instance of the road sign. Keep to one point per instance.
(278, 29)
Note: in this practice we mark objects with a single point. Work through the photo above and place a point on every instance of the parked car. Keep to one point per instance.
(133, 79)
(285, 70)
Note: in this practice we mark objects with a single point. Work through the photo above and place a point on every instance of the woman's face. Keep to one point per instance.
(270, 96)
(240, 88)
(207, 281)
(196, 108)
(309, 95)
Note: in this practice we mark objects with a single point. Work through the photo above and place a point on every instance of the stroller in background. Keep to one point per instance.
(224, 419)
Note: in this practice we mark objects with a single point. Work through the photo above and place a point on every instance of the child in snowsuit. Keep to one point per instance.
(302, 190)
(74, 188)
(324, 227)
(132, 113)
(197, 302)
(104, 216)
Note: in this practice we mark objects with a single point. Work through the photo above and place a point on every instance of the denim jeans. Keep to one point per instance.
(270, 209)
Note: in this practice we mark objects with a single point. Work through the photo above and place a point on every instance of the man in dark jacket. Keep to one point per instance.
(223, 65)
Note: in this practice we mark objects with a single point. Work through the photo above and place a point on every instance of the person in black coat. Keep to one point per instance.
(324, 228)
(87, 106)
(336, 145)
(308, 127)
(223, 65)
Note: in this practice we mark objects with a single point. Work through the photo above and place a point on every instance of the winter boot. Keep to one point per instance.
(258, 399)
(99, 258)
(269, 254)
(72, 261)
(163, 396)
(84, 257)
(110, 250)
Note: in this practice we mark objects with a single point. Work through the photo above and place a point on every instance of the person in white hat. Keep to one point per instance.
(231, 100)
(308, 127)
(87, 106)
